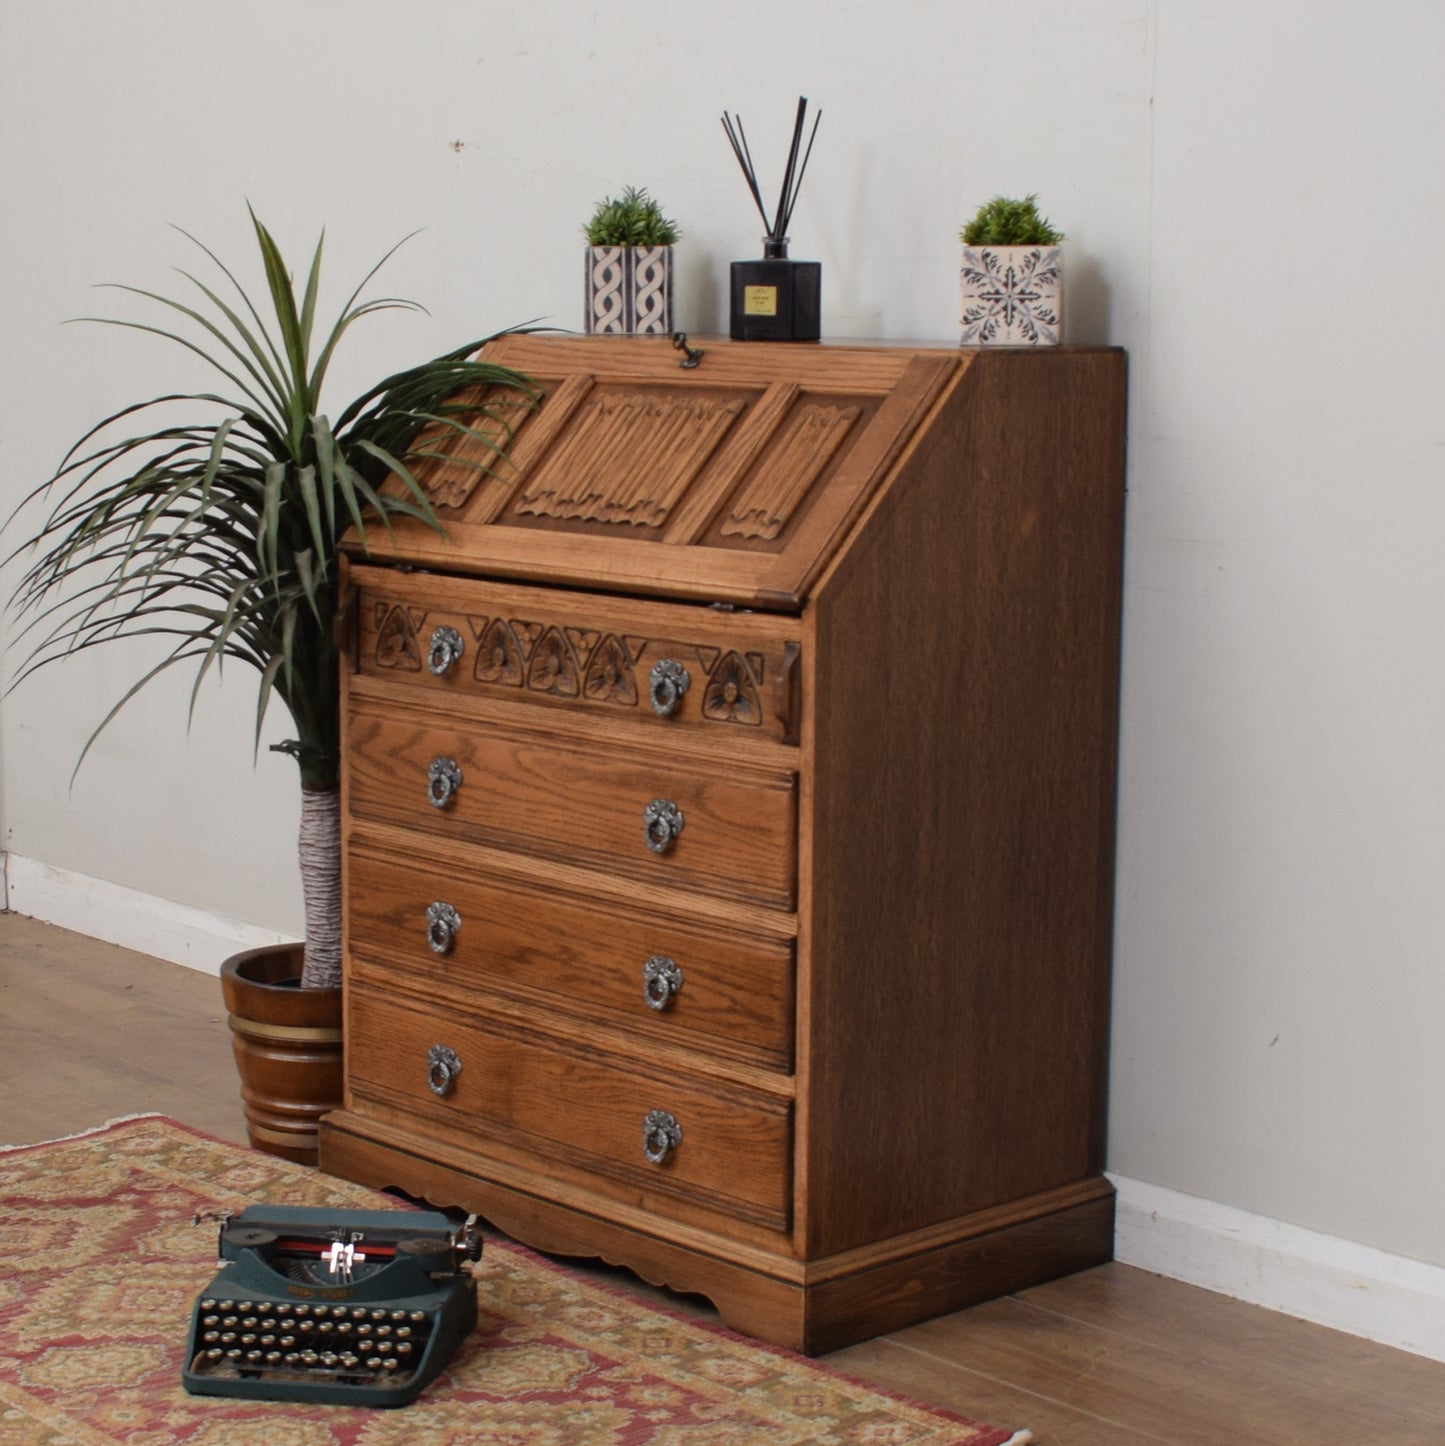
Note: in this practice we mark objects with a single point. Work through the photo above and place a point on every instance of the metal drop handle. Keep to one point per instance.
(443, 779)
(446, 649)
(661, 823)
(661, 979)
(442, 923)
(669, 682)
(442, 1069)
(661, 1135)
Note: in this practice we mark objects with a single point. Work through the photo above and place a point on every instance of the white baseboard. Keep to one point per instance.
(134, 920)
(1353, 1288)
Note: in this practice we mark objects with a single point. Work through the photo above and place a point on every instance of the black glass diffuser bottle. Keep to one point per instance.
(777, 298)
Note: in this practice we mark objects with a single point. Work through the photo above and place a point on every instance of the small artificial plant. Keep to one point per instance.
(1006, 222)
(631, 219)
(212, 521)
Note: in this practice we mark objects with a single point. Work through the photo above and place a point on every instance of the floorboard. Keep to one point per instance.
(1109, 1357)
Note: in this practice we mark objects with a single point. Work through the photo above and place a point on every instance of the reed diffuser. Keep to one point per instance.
(775, 299)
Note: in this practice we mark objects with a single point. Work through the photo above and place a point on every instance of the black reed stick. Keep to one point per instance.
(777, 229)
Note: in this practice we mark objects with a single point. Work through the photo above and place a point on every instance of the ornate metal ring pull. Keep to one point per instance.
(443, 779)
(442, 1069)
(661, 824)
(442, 923)
(661, 979)
(669, 681)
(446, 648)
(661, 1135)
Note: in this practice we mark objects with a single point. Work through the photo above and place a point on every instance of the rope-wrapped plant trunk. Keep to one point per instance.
(320, 851)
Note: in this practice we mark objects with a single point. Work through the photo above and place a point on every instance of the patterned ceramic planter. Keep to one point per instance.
(629, 290)
(1012, 296)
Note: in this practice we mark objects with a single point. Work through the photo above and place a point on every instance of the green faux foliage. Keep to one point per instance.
(1005, 222)
(633, 219)
(218, 530)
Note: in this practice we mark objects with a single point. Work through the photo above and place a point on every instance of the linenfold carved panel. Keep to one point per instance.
(628, 457)
(449, 464)
(791, 466)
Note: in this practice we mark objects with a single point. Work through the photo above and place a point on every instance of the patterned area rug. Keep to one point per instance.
(101, 1263)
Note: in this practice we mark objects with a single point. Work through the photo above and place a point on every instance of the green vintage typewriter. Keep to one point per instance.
(350, 1307)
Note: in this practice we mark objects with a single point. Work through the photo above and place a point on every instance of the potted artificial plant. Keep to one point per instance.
(216, 529)
(628, 287)
(1012, 280)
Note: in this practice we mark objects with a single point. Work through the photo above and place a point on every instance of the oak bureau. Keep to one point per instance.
(728, 825)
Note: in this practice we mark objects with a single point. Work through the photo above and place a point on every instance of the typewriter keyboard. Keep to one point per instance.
(299, 1340)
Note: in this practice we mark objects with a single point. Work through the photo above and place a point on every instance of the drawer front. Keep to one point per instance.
(714, 829)
(667, 665)
(600, 1114)
(458, 930)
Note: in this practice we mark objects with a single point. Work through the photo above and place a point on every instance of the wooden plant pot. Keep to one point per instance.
(1011, 296)
(628, 290)
(287, 1042)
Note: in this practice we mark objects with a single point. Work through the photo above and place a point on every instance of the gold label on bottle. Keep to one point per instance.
(760, 301)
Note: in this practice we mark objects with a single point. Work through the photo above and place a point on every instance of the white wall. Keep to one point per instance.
(1280, 996)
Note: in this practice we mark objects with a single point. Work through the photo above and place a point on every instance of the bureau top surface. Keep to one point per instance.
(733, 479)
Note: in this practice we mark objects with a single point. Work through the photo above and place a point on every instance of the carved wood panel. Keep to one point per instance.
(561, 662)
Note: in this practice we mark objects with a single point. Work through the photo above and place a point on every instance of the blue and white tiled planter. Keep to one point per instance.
(629, 290)
(1012, 296)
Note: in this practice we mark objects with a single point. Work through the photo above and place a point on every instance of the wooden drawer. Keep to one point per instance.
(551, 798)
(567, 954)
(738, 671)
(574, 1104)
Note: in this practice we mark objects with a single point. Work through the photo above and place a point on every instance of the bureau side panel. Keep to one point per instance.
(954, 986)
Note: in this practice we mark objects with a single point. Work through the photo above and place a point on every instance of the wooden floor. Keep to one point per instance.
(1111, 1357)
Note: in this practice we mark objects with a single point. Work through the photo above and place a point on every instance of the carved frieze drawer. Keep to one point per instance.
(649, 814)
(732, 673)
(727, 1150)
(462, 931)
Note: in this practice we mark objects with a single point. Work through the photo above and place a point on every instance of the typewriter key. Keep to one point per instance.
(309, 1358)
(389, 1364)
(215, 1353)
(273, 1358)
(211, 1337)
(253, 1355)
(329, 1359)
(224, 1305)
(228, 1338)
(248, 1322)
(286, 1342)
(404, 1348)
(210, 1320)
(229, 1321)
(249, 1339)
(373, 1363)
(208, 1303)
(234, 1354)
(418, 1317)
(303, 1309)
